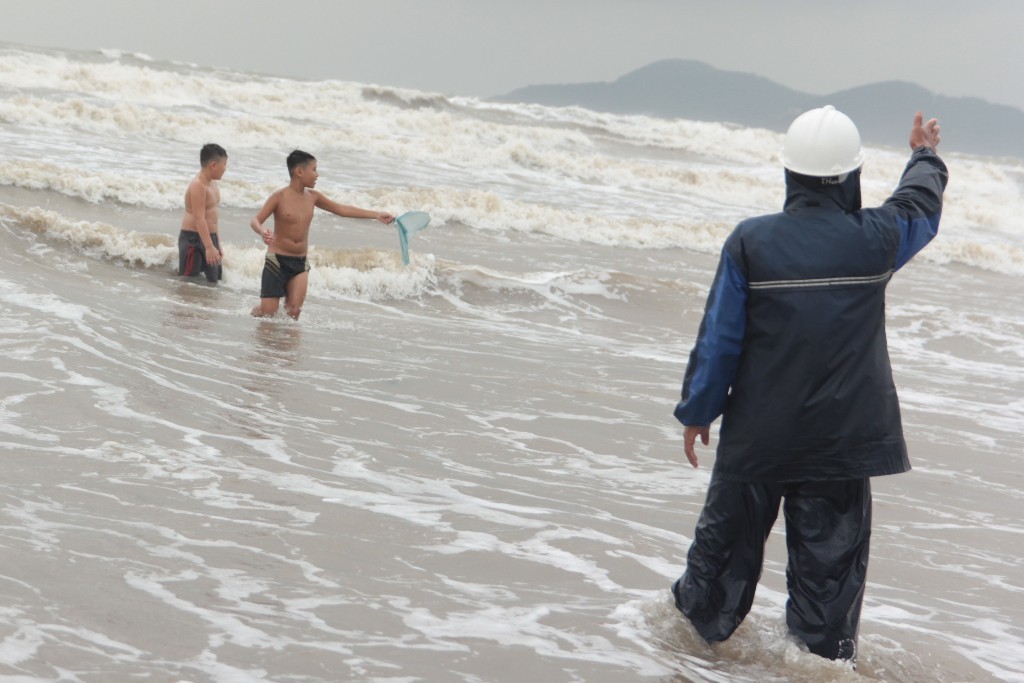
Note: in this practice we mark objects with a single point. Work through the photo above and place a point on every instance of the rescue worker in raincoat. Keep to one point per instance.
(792, 354)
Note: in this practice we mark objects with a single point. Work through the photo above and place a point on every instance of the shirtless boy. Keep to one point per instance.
(198, 245)
(285, 271)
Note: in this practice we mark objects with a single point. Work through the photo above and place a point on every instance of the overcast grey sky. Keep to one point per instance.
(489, 47)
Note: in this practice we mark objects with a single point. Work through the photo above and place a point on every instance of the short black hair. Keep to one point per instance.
(298, 158)
(211, 151)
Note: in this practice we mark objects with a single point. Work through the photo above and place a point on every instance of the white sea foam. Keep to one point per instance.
(113, 53)
(96, 239)
(361, 273)
(364, 274)
(45, 304)
(499, 167)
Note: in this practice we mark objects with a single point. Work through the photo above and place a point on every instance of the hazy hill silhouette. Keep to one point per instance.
(679, 88)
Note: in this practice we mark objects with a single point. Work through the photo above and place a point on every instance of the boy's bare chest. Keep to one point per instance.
(297, 212)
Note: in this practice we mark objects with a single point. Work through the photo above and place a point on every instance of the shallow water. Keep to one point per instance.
(466, 469)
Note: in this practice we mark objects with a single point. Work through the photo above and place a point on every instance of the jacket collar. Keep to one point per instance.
(807, 191)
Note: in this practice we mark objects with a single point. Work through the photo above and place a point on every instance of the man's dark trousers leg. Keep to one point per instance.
(724, 562)
(828, 529)
(828, 533)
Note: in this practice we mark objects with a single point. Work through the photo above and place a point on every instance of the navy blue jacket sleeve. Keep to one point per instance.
(918, 202)
(716, 354)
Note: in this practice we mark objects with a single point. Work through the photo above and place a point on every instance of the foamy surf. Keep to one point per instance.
(362, 273)
(97, 240)
(563, 172)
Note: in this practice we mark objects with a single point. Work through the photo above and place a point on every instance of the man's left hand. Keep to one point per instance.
(690, 435)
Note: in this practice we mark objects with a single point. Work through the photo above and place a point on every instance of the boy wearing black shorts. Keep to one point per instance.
(199, 248)
(285, 271)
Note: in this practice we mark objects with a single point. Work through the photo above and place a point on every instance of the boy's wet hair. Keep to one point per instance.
(298, 158)
(211, 151)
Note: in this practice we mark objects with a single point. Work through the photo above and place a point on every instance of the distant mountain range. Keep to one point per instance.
(678, 88)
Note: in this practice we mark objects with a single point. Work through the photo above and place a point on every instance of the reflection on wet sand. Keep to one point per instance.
(191, 303)
(276, 346)
(277, 341)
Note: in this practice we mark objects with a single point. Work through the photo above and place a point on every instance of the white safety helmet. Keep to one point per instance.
(822, 143)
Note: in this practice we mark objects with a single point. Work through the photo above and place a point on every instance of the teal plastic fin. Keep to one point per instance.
(408, 224)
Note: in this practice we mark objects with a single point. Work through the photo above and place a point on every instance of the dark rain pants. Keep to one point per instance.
(828, 529)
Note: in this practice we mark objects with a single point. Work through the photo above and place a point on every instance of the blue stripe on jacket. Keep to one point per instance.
(716, 355)
(914, 235)
(918, 201)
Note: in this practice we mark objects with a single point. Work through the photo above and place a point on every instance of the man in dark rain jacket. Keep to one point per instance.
(792, 354)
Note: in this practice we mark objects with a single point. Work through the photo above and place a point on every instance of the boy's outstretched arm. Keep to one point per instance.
(346, 211)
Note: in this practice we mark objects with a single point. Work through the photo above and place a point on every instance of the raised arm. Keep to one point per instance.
(918, 199)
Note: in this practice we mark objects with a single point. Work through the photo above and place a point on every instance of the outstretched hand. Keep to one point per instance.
(924, 134)
(690, 435)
